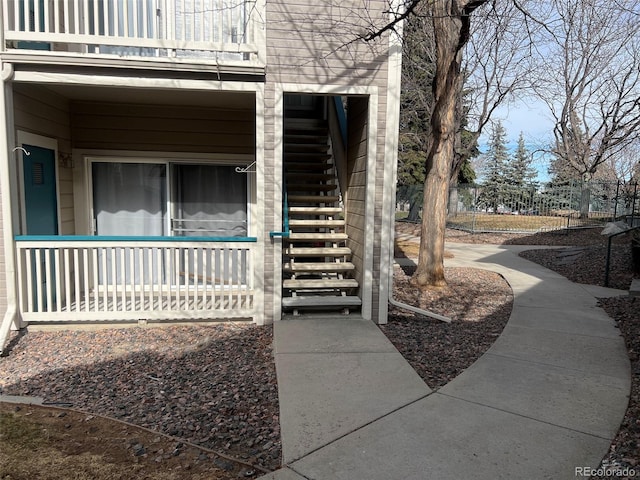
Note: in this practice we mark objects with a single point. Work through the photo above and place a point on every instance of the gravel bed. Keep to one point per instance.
(625, 449)
(587, 264)
(211, 385)
(478, 302)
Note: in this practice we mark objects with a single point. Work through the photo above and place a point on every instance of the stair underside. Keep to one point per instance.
(307, 166)
(313, 199)
(306, 156)
(308, 177)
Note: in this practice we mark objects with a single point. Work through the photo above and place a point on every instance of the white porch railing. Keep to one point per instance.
(187, 28)
(107, 278)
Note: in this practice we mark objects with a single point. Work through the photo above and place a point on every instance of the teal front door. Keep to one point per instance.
(41, 205)
(41, 218)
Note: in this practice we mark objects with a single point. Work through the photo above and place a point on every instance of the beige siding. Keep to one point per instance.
(42, 112)
(313, 42)
(113, 126)
(379, 187)
(355, 194)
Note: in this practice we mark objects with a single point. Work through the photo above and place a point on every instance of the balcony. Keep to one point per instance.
(177, 31)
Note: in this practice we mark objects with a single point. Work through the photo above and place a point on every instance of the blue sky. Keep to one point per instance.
(533, 121)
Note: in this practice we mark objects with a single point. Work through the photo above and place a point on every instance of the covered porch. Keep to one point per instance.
(152, 208)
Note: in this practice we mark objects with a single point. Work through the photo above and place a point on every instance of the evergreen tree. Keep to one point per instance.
(495, 182)
(521, 179)
(521, 172)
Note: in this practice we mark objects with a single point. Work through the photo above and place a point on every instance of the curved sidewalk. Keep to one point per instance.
(546, 399)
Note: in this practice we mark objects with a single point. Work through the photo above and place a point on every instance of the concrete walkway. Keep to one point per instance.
(547, 397)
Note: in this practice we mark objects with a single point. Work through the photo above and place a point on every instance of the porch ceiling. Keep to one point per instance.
(152, 96)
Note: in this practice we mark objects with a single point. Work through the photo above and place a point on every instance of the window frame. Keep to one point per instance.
(169, 163)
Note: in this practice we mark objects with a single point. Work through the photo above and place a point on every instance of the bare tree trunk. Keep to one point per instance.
(450, 32)
(585, 196)
(430, 269)
(585, 201)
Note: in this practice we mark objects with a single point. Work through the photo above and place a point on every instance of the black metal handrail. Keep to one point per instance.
(608, 262)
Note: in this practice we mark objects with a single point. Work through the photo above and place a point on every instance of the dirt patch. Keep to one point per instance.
(58, 444)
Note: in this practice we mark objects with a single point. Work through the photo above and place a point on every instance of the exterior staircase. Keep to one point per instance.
(317, 273)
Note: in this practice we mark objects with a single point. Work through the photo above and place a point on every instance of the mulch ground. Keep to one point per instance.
(625, 449)
(479, 304)
(213, 386)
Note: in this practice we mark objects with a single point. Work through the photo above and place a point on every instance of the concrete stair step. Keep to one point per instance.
(318, 267)
(317, 237)
(314, 210)
(325, 283)
(311, 301)
(316, 223)
(317, 251)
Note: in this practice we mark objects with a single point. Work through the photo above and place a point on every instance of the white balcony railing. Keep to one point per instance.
(93, 278)
(173, 28)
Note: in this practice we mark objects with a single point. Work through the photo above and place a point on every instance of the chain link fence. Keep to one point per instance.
(534, 208)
